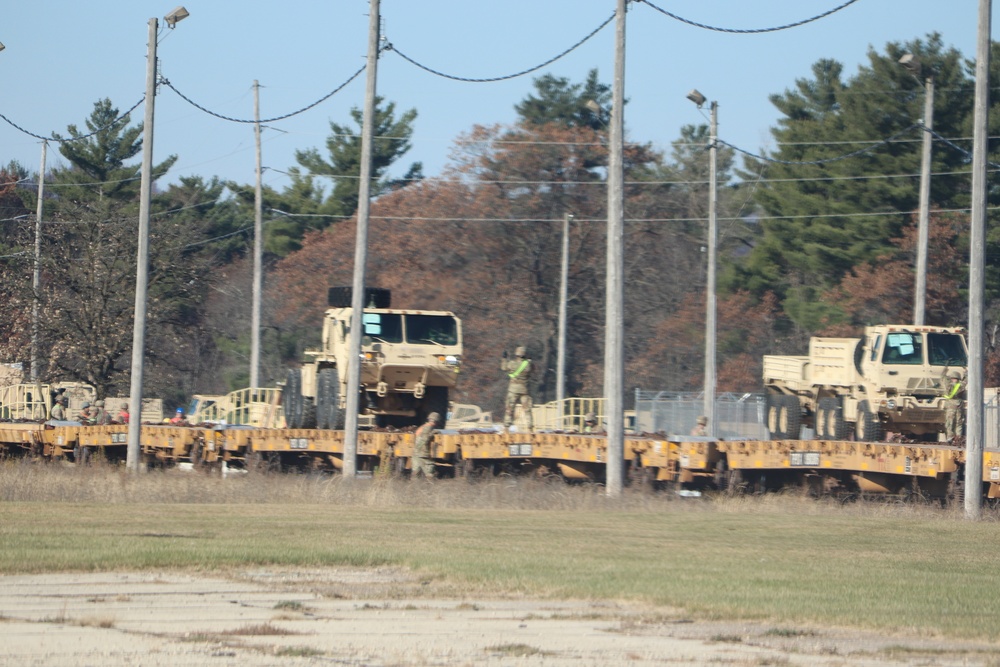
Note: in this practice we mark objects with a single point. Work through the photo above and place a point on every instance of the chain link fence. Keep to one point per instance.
(675, 413)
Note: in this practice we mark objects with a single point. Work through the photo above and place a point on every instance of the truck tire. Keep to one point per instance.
(774, 405)
(291, 398)
(340, 297)
(328, 412)
(824, 408)
(435, 400)
(308, 413)
(791, 418)
(868, 428)
(836, 426)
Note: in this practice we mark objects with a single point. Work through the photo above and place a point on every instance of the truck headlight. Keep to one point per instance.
(891, 404)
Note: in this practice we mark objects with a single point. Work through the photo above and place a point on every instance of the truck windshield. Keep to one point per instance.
(386, 327)
(903, 348)
(946, 350)
(431, 330)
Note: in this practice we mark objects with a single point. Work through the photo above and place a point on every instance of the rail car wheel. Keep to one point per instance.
(291, 398)
(868, 428)
(721, 475)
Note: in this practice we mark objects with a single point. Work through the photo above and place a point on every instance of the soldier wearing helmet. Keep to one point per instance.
(589, 423)
(518, 372)
(954, 404)
(700, 426)
(86, 416)
(420, 461)
(99, 414)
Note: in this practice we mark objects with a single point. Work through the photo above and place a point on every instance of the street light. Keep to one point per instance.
(142, 253)
(710, 326)
(913, 66)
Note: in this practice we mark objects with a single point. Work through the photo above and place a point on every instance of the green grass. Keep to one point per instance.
(787, 559)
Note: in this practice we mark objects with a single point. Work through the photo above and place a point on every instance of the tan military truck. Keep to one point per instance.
(891, 380)
(410, 361)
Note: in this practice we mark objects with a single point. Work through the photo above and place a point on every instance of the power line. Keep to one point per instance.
(747, 31)
(78, 138)
(264, 120)
(503, 77)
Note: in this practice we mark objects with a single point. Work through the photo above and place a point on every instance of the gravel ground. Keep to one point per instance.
(385, 617)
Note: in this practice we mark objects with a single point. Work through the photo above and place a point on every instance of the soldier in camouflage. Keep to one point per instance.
(954, 405)
(421, 463)
(519, 371)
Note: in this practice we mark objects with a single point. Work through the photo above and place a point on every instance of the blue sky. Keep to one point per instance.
(63, 55)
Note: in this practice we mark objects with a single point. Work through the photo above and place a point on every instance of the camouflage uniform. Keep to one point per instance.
(99, 414)
(954, 406)
(59, 410)
(420, 462)
(86, 416)
(519, 371)
(699, 428)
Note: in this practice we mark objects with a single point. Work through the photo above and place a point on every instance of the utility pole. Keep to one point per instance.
(361, 249)
(133, 447)
(563, 296)
(923, 226)
(36, 278)
(713, 236)
(614, 318)
(977, 272)
(258, 253)
(915, 67)
(142, 260)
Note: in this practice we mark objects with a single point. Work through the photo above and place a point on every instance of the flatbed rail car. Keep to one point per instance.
(928, 469)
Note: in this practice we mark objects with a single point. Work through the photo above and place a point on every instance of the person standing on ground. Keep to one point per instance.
(518, 371)
(420, 462)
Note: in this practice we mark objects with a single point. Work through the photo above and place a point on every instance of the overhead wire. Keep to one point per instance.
(503, 77)
(747, 31)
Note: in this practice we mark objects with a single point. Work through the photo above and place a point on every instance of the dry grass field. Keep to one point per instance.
(785, 560)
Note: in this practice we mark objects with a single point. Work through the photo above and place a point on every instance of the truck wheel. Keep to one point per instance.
(435, 400)
(868, 428)
(824, 412)
(291, 398)
(308, 413)
(774, 405)
(791, 418)
(836, 426)
(328, 412)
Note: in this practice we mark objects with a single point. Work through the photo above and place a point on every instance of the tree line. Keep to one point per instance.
(807, 245)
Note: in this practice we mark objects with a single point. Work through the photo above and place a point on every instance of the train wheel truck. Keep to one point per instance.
(410, 361)
(890, 380)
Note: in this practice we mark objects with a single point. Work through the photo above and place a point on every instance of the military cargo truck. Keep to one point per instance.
(410, 361)
(891, 380)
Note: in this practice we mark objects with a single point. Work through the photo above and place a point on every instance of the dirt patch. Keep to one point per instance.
(387, 617)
